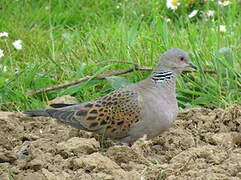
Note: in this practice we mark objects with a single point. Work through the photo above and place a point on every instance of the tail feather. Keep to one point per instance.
(66, 117)
(37, 112)
(61, 105)
(54, 113)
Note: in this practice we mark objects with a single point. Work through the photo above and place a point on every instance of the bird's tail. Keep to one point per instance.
(47, 112)
(37, 112)
(66, 117)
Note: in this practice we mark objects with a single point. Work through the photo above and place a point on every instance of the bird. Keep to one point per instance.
(146, 108)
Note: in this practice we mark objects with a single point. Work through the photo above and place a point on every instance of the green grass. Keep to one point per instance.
(64, 40)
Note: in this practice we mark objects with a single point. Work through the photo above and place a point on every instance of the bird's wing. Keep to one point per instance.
(111, 115)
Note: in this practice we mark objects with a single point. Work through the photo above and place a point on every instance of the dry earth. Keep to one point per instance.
(202, 144)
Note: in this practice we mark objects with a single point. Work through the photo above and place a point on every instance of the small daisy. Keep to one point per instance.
(193, 13)
(18, 44)
(1, 53)
(224, 3)
(210, 13)
(222, 29)
(3, 34)
(167, 19)
(172, 4)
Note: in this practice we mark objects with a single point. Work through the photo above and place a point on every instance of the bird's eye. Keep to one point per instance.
(182, 58)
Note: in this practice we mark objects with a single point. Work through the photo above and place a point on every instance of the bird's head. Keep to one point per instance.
(176, 60)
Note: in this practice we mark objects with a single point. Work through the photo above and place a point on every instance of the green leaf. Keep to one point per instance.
(202, 100)
(117, 82)
(101, 70)
(132, 33)
(80, 72)
(74, 89)
(2, 80)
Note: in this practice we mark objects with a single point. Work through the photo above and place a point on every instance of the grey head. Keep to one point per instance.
(175, 60)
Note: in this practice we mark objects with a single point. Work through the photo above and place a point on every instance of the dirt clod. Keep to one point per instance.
(66, 99)
(202, 144)
(77, 146)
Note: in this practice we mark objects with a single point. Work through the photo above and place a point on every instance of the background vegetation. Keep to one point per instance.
(63, 40)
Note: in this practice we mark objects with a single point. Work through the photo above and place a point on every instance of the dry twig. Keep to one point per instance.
(99, 77)
(123, 62)
(87, 78)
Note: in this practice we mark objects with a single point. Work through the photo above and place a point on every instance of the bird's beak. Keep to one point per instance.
(192, 66)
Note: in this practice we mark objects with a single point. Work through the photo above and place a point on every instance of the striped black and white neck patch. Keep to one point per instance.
(162, 76)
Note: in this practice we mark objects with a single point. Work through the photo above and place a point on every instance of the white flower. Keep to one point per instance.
(222, 29)
(3, 34)
(210, 13)
(193, 13)
(224, 3)
(1, 53)
(167, 19)
(172, 4)
(18, 44)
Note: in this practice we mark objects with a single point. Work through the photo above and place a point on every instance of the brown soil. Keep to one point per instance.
(202, 144)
